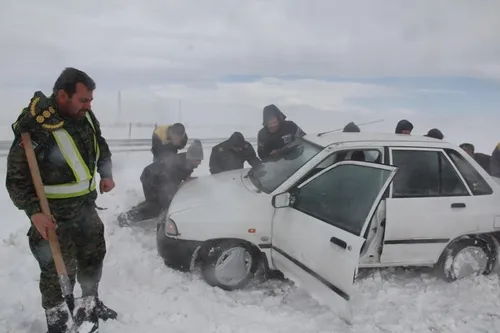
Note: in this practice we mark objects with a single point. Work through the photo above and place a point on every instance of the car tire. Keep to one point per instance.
(218, 252)
(450, 262)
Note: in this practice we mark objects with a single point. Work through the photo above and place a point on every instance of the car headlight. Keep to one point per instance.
(171, 228)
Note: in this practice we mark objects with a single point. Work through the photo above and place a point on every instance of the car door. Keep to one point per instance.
(318, 226)
(429, 204)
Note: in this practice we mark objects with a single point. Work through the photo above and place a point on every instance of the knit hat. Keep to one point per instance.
(435, 133)
(351, 127)
(195, 151)
(403, 125)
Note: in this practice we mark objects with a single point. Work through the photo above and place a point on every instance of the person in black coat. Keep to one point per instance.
(276, 133)
(160, 181)
(232, 154)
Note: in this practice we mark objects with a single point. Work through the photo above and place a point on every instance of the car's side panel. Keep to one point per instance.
(418, 229)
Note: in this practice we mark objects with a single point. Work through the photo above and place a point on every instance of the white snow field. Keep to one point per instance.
(152, 298)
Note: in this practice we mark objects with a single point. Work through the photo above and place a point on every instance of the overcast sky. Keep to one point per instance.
(226, 59)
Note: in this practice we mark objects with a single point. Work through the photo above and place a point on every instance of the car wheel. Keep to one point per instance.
(467, 257)
(229, 265)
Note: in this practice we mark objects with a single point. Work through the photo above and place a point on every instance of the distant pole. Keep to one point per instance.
(180, 111)
(119, 106)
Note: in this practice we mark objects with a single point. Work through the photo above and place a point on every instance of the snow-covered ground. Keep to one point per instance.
(153, 298)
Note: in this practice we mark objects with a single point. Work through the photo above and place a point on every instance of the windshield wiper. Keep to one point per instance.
(254, 179)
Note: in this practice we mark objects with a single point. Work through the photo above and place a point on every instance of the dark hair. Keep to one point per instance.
(351, 127)
(467, 146)
(68, 79)
(177, 129)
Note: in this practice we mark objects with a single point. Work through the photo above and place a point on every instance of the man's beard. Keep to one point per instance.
(82, 113)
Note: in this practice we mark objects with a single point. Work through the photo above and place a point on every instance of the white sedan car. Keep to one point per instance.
(331, 204)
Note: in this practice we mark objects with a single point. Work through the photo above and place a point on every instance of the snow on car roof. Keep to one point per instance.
(404, 139)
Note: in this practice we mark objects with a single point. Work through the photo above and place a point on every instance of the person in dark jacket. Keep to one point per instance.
(404, 127)
(232, 154)
(495, 162)
(168, 139)
(160, 181)
(351, 127)
(483, 160)
(435, 133)
(276, 133)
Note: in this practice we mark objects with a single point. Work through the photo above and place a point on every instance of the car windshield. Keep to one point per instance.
(273, 171)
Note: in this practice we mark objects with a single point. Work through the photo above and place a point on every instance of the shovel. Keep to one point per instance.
(80, 323)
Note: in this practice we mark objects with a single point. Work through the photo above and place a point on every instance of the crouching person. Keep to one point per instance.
(160, 181)
(232, 154)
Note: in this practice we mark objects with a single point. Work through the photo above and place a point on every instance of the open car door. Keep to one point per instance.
(318, 229)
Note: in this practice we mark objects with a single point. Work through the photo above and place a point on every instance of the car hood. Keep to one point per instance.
(214, 190)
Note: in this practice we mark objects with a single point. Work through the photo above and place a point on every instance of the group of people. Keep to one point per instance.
(70, 150)
(170, 169)
(490, 163)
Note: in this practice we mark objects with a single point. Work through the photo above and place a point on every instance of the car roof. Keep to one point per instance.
(383, 138)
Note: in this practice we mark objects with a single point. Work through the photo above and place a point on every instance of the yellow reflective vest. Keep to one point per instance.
(84, 179)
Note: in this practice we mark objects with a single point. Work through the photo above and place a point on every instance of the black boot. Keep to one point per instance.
(103, 312)
(85, 314)
(58, 319)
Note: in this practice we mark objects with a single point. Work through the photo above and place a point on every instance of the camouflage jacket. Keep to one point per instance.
(40, 118)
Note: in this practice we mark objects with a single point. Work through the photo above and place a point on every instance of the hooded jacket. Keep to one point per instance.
(403, 125)
(287, 132)
(225, 157)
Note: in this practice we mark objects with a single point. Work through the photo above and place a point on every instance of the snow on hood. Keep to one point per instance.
(219, 189)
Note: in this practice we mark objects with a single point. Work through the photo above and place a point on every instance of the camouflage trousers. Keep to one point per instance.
(83, 248)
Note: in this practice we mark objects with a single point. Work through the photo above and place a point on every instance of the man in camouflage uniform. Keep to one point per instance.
(67, 140)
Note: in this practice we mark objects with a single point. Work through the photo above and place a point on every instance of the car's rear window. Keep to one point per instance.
(477, 184)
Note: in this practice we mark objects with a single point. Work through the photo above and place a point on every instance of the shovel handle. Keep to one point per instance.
(44, 205)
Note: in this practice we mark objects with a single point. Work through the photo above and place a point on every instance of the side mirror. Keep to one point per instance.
(281, 200)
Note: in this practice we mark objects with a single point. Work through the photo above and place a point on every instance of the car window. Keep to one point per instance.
(477, 184)
(363, 155)
(425, 174)
(342, 196)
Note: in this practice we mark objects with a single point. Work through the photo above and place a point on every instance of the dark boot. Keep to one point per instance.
(123, 220)
(58, 319)
(85, 314)
(103, 312)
